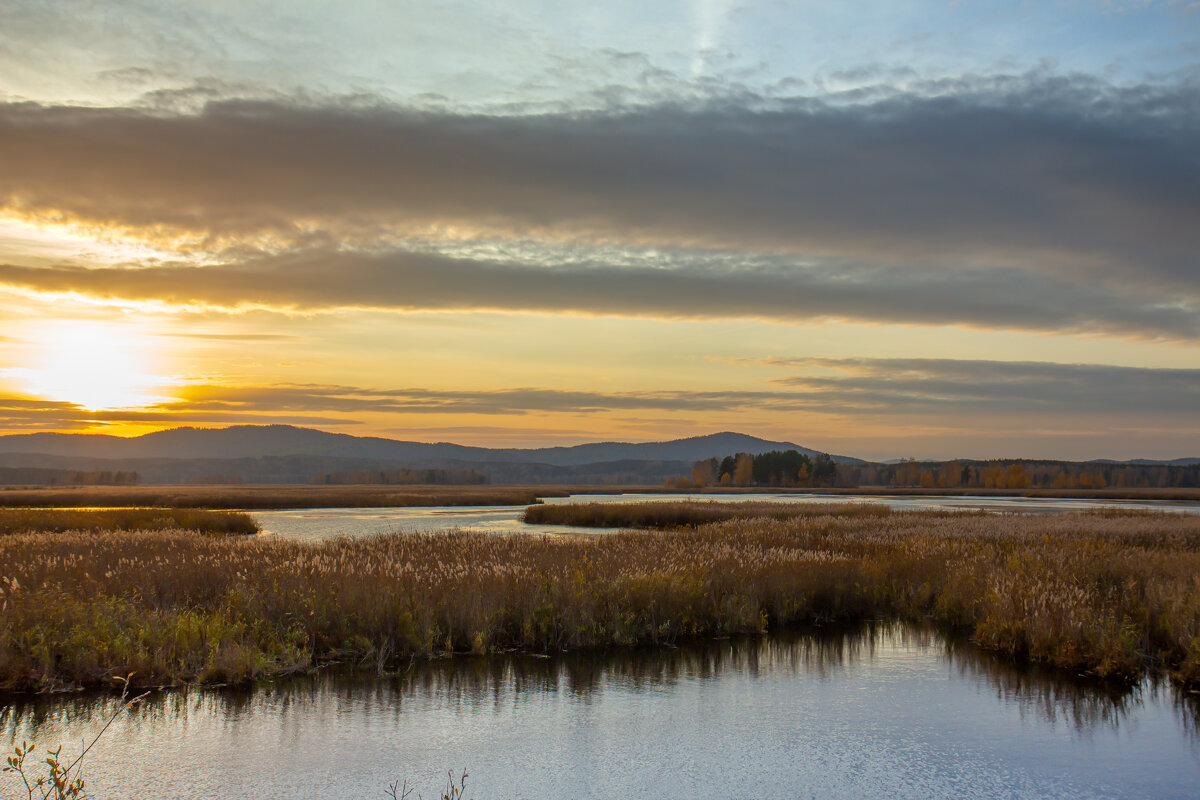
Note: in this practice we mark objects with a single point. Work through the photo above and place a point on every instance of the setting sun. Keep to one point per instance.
(93, 365)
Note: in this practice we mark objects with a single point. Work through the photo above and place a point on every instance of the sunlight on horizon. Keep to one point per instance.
(94, 365)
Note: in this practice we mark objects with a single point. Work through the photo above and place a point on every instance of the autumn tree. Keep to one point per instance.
(704, 473)
(1017, 479)
(908, 473)
(743, 470)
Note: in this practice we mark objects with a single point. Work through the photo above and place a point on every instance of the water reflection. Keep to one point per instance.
(469, 685)
(878, 710)
(1081, 703)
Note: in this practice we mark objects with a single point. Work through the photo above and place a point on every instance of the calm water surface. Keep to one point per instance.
(324, 523)
(880, 713)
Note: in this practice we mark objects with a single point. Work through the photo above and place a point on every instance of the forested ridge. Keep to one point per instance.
(791, 468)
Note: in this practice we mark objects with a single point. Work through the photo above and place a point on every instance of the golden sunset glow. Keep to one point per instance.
(94, 365)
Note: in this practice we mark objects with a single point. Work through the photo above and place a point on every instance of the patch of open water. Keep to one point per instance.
(324, 523)
(881, 712)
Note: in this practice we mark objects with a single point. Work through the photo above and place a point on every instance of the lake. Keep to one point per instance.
(324, 523)
(879, 712)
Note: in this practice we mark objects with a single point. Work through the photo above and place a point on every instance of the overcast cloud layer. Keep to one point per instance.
(778, 289)
(1090, 175)
(1020, 203)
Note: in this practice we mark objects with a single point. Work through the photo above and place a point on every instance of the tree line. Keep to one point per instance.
(791, 468)
(1021, 474)
(37, 476)
(774, 468)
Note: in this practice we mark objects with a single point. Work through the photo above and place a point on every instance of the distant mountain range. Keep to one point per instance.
(1150, 462)
(288, 454)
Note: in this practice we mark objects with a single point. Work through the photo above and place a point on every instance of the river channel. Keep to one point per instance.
(324, 523)
(879, 712)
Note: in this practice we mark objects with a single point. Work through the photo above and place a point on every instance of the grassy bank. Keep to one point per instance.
(1105, 594)
(53, 520)
(266, 497)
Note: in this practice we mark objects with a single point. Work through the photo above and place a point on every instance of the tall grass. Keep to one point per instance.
(53, 520)
(685, 513)
(1106, 594)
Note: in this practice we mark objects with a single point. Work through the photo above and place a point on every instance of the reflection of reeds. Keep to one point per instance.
(1049, 694)
(1100, 593)
(52, 520)
(479, 683)
(278, 496)
(1188, 702)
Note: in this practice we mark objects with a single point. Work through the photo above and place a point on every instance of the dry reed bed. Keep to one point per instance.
(53, 520)
(669, 514)
(1107, 594)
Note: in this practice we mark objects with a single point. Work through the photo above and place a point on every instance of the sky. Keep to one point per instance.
(880, 229)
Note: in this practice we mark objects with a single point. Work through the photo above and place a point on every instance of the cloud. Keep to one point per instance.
(696, 286)
(234, 337)
(1065, 175)
(967, 387)
(1031, 202)
(515, 401)
(21, 412)
(964, 389)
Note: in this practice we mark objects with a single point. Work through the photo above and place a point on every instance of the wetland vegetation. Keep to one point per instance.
(666, 514)
(1106, 594)
(94, 520)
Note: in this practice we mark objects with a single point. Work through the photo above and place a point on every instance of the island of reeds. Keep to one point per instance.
(1105, 594)
(104, 520)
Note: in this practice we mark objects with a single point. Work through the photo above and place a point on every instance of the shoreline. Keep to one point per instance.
(303, 496)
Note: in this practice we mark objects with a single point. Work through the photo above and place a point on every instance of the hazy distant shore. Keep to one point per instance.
(276, 497)
(374, 496)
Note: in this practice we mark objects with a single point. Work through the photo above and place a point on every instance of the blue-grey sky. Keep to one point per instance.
(487, 55)
(882, 228)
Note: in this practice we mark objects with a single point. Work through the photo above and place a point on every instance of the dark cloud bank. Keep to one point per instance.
(932, 385)
(1036, 203)
(874, 386)
(315, 280)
